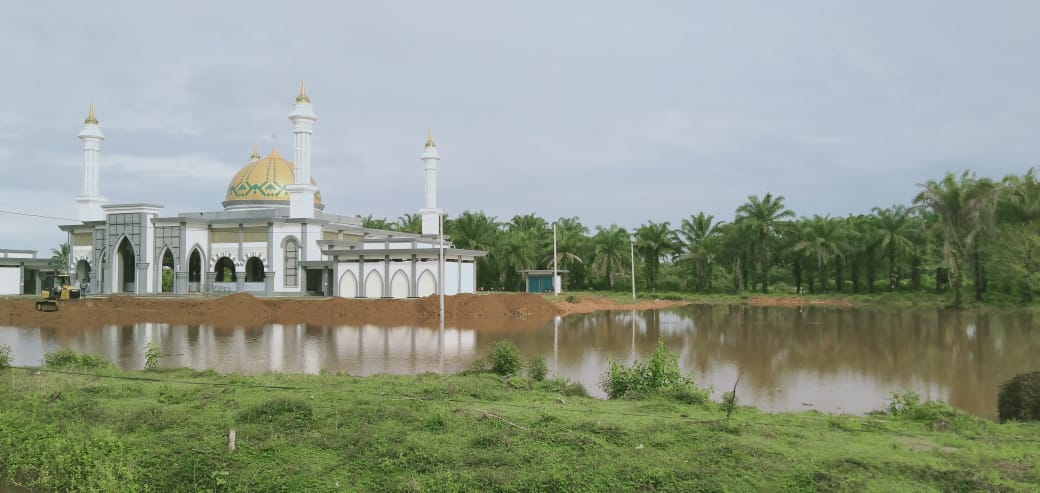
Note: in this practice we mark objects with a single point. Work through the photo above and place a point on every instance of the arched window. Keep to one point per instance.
(254, 270)
(292, 256)
(225, 270)
(195, 267)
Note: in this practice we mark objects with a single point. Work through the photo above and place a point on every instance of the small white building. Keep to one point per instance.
(272, 238)
(21, 272)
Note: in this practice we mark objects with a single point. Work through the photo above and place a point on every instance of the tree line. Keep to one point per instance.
(961, 232)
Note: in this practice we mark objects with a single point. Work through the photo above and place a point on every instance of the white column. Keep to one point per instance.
(301, 193)
(89, 203)
(429, 212)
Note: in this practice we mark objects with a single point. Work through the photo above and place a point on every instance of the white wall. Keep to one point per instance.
(9, 280)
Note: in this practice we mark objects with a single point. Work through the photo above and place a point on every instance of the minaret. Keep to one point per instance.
(430, 214)
(256, 155)
(301, 193)
(89, 204)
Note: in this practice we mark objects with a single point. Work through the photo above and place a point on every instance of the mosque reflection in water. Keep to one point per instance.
(828, 359)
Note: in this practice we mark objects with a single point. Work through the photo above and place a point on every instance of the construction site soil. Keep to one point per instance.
(479, 311)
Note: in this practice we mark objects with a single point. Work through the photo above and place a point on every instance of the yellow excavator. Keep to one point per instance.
(56, 288)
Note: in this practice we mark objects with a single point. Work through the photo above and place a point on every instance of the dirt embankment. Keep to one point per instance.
(244, 310)
(796, 301)
(589, 304)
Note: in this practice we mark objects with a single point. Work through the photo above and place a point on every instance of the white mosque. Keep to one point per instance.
(273, 237)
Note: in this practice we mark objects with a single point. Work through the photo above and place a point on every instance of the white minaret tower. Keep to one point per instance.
(301, 193)
(430, 214)
(89, 204)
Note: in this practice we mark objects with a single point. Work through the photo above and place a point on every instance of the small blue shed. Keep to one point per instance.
(540, 281)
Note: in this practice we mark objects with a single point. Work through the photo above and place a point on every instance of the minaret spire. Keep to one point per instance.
(89, 202)
(256, 155)
(301, 193)
(430, 213)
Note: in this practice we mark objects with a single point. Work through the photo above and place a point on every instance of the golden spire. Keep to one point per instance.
(429, 138)
(256, 154)
(302, 98)
(90, 116)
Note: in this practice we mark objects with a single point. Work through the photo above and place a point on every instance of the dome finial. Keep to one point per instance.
(429, 138)
(302, 98)
(90, 116)
(256, 154)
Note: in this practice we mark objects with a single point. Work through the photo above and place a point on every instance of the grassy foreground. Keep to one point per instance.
(111, 430)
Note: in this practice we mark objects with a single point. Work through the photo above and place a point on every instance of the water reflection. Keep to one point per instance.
(830, 359)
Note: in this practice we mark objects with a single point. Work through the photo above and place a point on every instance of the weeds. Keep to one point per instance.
(152, 354)
(505, 358)
(5, 356)
(67, 358)
(660, 375)
(536, 369)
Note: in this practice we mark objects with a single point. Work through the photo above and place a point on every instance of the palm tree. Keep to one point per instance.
(653, 241)
(409, 223)
(822, 242)
(701, 234)
(60, 258)
(477, 231)
(514, 252)
(373, 223)
(965, 206)
(610, 253)
(762, 218)
(570, 239)
(895, 233)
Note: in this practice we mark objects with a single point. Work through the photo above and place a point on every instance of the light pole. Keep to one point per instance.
(556, 271)
(632, 250)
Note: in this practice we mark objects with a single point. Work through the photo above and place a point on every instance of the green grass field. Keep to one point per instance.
(110, 430)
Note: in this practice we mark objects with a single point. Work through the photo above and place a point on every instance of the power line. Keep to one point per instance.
(16, 213)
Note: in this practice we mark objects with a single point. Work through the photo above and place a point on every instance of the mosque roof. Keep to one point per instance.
(262, 183)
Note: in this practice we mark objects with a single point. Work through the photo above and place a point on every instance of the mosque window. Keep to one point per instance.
(292, 252)
(254, 270)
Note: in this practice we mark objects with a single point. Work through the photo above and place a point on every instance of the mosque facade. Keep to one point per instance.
(272, 238)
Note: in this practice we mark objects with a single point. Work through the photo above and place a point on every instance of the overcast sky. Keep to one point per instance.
(615, 112)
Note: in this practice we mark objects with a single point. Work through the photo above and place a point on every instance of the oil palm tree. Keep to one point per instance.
(895, 232)
(762, 219)
(409, 223)
(477, 231)
(514, 252)
(965, 206)
(610, 247)
(60, 258)
(701, 235)
(654, 241)
(821, 240)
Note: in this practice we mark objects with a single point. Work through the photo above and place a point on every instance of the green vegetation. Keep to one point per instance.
(69, 359)
(505, 358)
(168, 430)
(5, 356)
(1019, 398)
(958, 233)
(658, 376)
(152, 355)
(537, 370)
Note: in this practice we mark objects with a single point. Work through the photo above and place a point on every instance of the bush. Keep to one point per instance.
(909, 405)
(659, 375)
(151, 356)
(505, 358)
(536, 369)
(5, 356)
(67, 358)
(1019, 398)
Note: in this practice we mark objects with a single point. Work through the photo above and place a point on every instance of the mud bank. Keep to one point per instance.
(796, 301)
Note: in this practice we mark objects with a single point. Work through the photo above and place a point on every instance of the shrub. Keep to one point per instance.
(67, 358)
(536, 369)
(505, 358)
(5, 356)
(151, 356)
(909, 405)
(658, 375)
(1019, 398)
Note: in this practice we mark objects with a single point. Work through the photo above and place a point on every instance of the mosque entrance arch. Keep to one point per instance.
(399, 285)
(427, 285)
(126, 267)
(348, 285)
(166, 272)
(194, 270)
(82, 271)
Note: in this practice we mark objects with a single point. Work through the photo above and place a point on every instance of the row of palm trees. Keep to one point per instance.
(959, 230)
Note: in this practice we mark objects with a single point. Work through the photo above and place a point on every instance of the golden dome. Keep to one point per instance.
(262, 183)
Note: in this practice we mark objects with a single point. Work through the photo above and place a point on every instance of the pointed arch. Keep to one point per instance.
(374, 285)
(165, 265)
(125, 265)
(196, 267)
(224, 270)
(399, 284)
(348, 286)
(290, 262)
(427, 284)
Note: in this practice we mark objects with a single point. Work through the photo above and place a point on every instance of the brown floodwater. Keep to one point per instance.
(825, 358)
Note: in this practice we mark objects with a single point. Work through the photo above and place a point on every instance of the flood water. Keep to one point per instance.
(829, 359)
